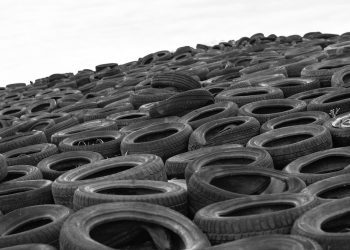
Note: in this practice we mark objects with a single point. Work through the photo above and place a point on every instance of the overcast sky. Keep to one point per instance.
(42, 37)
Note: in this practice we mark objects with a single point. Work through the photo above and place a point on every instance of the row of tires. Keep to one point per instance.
(242, 145)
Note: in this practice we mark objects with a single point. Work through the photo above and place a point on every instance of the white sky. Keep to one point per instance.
(41, 37)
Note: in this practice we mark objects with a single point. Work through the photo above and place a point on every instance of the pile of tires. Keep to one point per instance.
(241, 145)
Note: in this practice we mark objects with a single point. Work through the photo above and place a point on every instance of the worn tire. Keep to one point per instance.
(289, 143)
(326, 224)
(130, 167)
(22, 173)
(216, 183)
(293, 119)
(156, 192)
(243, 96)
(164, 140)
(20, 194)
(237, 130)
(309, 95)
(47, 231)
(55, 165)
(252, 216)
(76, 236)
(269, 109)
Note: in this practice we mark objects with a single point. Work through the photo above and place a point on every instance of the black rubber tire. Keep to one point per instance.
(30, 155)
(293, 85)
(22, 173)
(32, 246)
(340, 135)
(320, 165)
(108, 146)
(70, 122)
(95, 125)
(14, 111)
(102, 113)
(309, 95)
(55, 165)
(180, 81)
(330, 189)
(125, 118)
(3, 168)
(57, 117)
(307, 139)
(338, 101)
(327, 224)
(174, 142)
(76, 233)
(277, 241)
(148, 95)
(236, 130)
(324, 70)
(243, 96)
(294, 68)
(340, 78)
(47, 105)
(293, 119)
(146, 123)
(204, 189)
(21, 140)
(156, 192)
(175, 166)
(252, 216)
(208, 113)
(20, 194)
(43, 223)
(134, 167)
(275, 108)
(182, 103)
(249, 157)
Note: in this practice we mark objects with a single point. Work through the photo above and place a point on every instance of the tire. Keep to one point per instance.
(73, 121)
(320, 165)
(180, 81)
(149, 95)
(340, 134)
(22, 173)
(340, 78)
(249, 157)
(75, 235)
(293, 119)
(324, 70)
(175, 166)
(20, 140)
(208, 113)
(107, 143)
(294, 68)
(309, 95)
(125, 118)
(57, 117)
(30, 155)
(14, 111)
(20, 194)
(156, 192)
(34, 224)
(182, 103)
(252, 216)
(293, 85)
(326, 225)
(277, 241)
(243, 96)
(55, 165)
(338, 101)
(134, 167)
(209, 185)
(236, 130)
(95, 125)
(146, 123)
(330, 189)
(102, 113)
(268, 109)
(289, 143)
(164, 140)
(42, 106)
